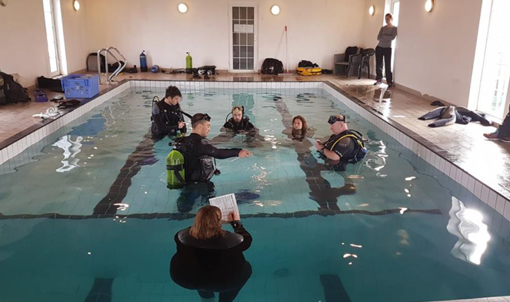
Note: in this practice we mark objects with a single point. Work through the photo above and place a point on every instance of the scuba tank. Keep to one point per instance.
(175, 173)
(143, 62)
(189, 64)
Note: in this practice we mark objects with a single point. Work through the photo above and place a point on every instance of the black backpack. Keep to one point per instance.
(272, 66)
(12, 90)
(305, 63)
(92, 63)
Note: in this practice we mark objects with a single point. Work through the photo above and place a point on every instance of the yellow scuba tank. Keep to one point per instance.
(175, 173)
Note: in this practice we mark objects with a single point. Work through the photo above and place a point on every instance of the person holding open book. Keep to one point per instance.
(210, 259)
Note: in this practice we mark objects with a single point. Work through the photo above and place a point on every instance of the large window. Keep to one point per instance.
(54, 36)
(495, 73)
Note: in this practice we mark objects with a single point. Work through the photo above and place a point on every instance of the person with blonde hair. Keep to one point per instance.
(210, 259)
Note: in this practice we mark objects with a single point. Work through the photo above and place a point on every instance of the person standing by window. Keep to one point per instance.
(386, 35)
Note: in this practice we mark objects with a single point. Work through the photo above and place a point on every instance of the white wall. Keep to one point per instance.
(317, 30)
(371, 26)
(435, 51)
(76, 35)
(24, 48)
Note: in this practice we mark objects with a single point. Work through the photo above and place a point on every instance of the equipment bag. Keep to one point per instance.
(272, 66)
(51, 84)
(305, 63)
(92, 63)
(13, 91)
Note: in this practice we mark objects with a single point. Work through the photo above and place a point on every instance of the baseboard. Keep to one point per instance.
(419, 94)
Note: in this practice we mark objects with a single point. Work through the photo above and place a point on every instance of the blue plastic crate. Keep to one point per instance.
(80, 86)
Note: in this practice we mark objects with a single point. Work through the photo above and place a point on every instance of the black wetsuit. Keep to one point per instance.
(212, 265)
(198, 157)
(244, 125)
(165, 119)
(449, 115)
(345, 149)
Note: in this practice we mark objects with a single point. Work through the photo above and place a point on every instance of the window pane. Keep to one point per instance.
(251, 13)
(244, 51)
(235, 12)
(50, 35)
(250, 64)
(243, 13)
(250, 39)
(236, 63)
(236, 39)
(243, 64)
(496, 65)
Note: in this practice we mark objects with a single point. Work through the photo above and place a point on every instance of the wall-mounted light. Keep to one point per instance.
(183, 8)
(3, 2)
(429, 5)
(275, 10)
(371, 10)
(76, 5)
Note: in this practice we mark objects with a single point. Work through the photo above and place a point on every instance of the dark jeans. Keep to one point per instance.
(504, 129)
(385, 53)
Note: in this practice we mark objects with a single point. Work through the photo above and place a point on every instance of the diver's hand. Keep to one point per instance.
(181, 125)
(319, 146)
(244, 153)
(233, 216)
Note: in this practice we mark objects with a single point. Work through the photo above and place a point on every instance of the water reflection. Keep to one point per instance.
(71, 149)
(468, 226)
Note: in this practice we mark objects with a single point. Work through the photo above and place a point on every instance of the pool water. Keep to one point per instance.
(86, 214)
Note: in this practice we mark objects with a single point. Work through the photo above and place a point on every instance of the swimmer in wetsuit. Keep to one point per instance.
(238, 121)
(167, 116)
(239, 124)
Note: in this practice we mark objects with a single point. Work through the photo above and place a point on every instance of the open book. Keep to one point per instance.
(226, 203)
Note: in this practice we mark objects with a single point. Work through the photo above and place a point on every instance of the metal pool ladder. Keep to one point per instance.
(122, 64)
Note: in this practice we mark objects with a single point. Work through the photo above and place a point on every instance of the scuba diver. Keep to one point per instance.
(239, 124)
(238, 121)
(167, 117)
(192, 162)
(343, 147)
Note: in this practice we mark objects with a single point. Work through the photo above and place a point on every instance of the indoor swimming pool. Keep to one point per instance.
(86, 214)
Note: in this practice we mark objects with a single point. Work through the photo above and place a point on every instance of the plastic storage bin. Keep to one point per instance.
(80, 86)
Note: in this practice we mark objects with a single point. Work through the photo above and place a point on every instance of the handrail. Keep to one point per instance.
(121, 66)
(99, 64)
(119, 69)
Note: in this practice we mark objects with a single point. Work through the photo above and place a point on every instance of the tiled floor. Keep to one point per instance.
(463, 145)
